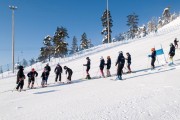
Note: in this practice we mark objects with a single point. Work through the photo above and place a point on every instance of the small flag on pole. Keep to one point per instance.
(159, 52)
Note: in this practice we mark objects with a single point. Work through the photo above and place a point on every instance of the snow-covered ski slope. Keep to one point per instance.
(144, 95)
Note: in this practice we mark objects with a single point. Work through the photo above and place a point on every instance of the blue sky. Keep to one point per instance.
(34, 19)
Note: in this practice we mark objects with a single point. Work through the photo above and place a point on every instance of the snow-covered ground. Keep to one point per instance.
(143, 95)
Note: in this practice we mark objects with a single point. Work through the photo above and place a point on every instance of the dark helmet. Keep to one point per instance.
(65, 67)
(87, 58)
(21, 67)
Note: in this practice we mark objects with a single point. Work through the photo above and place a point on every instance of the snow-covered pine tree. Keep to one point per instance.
(74, 48)
(84, 42)
(132, 22)
(48, 46)
(59, 41)
(166, 15)
(151, 26)
(105, 25)
(160, 23)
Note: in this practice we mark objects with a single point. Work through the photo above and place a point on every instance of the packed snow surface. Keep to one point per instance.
(142, 95)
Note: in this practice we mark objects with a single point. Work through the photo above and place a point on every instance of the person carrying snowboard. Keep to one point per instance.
(58, 70)
(20, 79)
(48, 69)
(153, 58)
(88, 68)
(31, 77)
(176, 43)
(171, 53)
(120, 62)
(128, 62)
(44, 76)
(108, 66)
(101, 66)
(70, 72)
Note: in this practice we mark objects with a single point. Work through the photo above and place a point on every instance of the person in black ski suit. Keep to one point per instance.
(48, 69)
(70, 72)
(58, 70)
(101, 66)
(108, 66)
(120, 62)
(31, 77)
(128, 62)
(88, 67)
(20, 79)
(171, 53)
(176, 43)
(44, 76)
(153, 58)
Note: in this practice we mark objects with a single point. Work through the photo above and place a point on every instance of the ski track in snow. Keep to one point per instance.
(143, 95)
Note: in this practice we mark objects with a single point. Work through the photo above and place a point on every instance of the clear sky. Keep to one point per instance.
(34, 19)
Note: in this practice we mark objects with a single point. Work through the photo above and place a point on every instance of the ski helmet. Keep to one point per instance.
(21, 67)
(87, 58)
(152, 49)
(32, 69)
(65, 67)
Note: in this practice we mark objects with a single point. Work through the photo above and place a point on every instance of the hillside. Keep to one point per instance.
(143, 95)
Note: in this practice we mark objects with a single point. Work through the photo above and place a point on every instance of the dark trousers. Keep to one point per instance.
(120, 69)
(69, 76)
(20, 84)
(152, 62)
(58, 75)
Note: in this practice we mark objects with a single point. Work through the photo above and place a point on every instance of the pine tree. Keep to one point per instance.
(74, 48)
(84, 42)
(48, 46)
(133, 24)
(105, 25)
(24, 62)
(32, 61)
(166, 15)
(47, 50)
(151, 26)
(59, 41)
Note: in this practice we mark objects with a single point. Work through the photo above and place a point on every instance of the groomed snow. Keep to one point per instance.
(144, 95)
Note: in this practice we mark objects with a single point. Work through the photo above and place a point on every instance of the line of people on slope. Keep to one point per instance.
(45, 74)
(58, 70)
(119, 63)
(171, 54)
